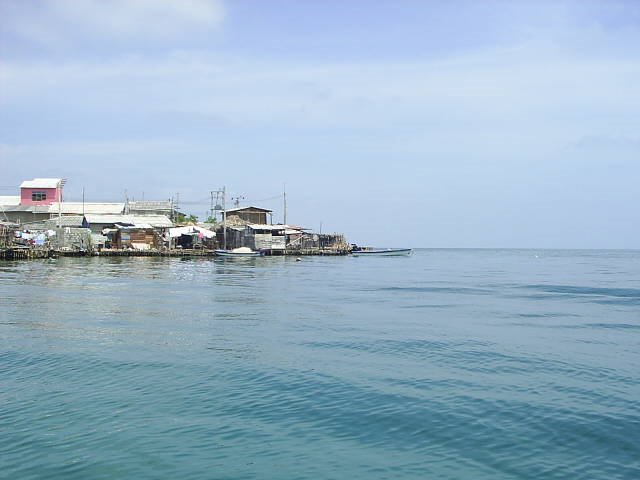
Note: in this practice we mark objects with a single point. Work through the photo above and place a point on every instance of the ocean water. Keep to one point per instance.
(450, 364)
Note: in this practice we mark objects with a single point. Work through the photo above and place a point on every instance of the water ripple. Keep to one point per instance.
(454, 364)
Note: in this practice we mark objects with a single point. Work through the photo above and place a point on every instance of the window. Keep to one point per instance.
(38, 196)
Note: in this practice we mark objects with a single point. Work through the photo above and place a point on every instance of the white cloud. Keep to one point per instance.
(69, 23)
(92, 149)
(492, 99)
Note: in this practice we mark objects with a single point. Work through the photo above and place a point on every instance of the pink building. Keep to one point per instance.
(41, 191)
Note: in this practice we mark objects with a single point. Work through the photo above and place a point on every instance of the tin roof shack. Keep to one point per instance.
(265, 237)
(97, 223)
(235, 236)
(313, 241)
(70, 239)
(24, 213)
(36, 213)
(135, 237)
(255, 215)
(7, 202)
(42, 198)
(150, 207)
(192, 236)
(75, 221)
(86, 208)
(7, 234)
(51, 224)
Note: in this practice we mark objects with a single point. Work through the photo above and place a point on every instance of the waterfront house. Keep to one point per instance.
(150, 207)
(136, 237)
(8, 202)
(33, 203)
(265, 237)
(7, 233)
(41, 191)
(73, 221)
(235, 236)
(98, 222)
(255, 215)
(42, 198)
(191, 236)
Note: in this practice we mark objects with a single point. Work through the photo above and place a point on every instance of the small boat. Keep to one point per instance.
(241, 252)
(379, 252)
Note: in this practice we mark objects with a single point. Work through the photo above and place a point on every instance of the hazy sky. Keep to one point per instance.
(398, 123)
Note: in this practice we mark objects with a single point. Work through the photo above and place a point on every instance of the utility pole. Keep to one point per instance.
(212, 211)
(222, 206)
(61, 183)
(224, 217)
(284, 196)
(236, 201)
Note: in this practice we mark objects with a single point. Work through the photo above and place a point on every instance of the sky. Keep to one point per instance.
(485, 124)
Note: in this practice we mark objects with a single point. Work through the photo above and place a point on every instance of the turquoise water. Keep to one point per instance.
(475, 364)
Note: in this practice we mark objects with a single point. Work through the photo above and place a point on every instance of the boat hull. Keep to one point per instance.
(228, 254)
(383, 252)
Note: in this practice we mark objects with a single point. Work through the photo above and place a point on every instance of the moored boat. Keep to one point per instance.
(390, 252)
(241, 252)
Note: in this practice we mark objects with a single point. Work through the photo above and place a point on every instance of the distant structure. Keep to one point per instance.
(39, 221)
(250, 214)
(42, 200)
(149, 207)
(41, 191)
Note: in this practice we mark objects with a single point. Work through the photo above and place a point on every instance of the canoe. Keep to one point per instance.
(241, 252)
(380, 252)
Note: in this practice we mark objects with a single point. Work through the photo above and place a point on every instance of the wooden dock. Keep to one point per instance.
(22, 253)
(153, 253)
(31, 253)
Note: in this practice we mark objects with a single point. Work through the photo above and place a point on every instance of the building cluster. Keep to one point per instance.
(40, 218)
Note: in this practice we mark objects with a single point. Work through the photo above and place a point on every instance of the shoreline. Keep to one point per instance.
(11, 254)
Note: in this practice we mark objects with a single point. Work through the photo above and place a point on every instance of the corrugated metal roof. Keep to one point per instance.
(27, 208)
(66, 221)
(256, 226)
(51, 223)
(150, 205)
(238, 209)
(10, 200)
(41, 183)
(38, 226)
(77, 208)
(157, 221)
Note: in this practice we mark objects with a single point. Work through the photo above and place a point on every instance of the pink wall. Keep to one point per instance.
(25, 196)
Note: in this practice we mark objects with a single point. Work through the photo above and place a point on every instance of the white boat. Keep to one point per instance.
(379, 252)
(238, 253)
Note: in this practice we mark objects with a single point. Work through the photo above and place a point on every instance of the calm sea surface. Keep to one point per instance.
(452, 364)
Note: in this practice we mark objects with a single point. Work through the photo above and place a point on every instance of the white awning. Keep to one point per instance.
(190, 230)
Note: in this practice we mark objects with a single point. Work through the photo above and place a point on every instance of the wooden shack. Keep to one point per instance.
(7, 234)
(254, 215)
(136, 237)
(265, 237)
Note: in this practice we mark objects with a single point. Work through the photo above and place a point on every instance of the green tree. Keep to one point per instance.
(182, 218)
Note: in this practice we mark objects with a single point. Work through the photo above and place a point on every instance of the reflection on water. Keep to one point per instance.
(447, 364)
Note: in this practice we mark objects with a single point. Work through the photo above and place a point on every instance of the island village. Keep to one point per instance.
(39, 223)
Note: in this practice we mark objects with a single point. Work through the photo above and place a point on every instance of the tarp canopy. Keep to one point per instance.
(190, 230)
